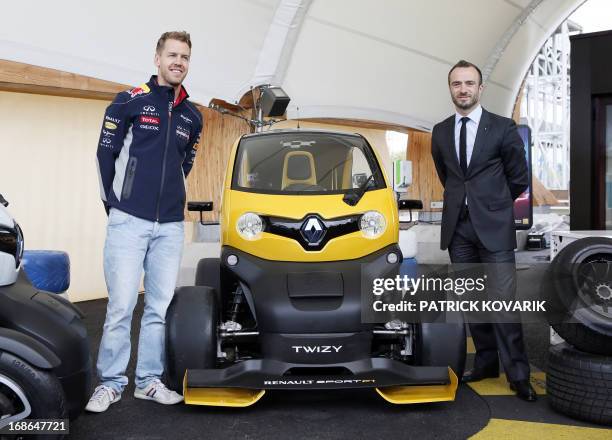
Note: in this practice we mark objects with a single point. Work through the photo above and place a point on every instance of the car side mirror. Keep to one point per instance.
(3, 201)
(200, 207)
(409, 204)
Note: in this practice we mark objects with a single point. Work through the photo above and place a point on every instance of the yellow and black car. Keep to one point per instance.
(308, 220)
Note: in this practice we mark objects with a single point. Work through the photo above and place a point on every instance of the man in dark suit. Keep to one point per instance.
(480, 160)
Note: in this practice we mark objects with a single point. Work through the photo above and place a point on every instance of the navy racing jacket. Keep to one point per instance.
(147, 146)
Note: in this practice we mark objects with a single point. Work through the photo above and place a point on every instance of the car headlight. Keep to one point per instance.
(249, 226)
(372, 224)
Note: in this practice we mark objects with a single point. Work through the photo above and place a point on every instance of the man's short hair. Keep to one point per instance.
(173, 35)
(463, 63)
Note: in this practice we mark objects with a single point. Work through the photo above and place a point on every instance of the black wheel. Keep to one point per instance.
(579, 384)
(26, 391)
(191, 333)
(578, 288)
(442, 345)
(208, 273)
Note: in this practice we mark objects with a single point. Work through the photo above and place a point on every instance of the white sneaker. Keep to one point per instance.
(102, 398)
(158, 392)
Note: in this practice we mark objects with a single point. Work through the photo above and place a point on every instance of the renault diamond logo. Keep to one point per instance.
(313, 231)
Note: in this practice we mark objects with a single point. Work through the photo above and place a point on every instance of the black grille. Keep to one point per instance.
(291, 228)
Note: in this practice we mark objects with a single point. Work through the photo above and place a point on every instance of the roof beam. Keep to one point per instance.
(278, 46)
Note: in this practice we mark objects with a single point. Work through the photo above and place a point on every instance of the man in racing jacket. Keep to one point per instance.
(147, 146)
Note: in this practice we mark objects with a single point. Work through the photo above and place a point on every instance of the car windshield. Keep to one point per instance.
(305, 162)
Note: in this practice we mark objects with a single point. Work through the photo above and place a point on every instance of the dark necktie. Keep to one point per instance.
(463, 145)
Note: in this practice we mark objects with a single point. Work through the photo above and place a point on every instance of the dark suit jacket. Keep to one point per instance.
(496, 176)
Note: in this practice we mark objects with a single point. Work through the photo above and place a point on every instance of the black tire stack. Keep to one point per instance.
(579, 384)
(578, 290)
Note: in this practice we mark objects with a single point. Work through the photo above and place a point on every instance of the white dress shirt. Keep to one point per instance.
(471, 128)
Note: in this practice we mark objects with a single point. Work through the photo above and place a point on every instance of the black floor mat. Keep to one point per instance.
(357, 414)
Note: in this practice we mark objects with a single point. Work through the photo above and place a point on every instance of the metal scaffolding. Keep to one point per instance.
(545, 107)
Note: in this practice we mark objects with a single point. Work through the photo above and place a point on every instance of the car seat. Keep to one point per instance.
(298, 171)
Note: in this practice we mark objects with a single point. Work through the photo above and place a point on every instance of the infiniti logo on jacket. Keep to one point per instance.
(144, 156)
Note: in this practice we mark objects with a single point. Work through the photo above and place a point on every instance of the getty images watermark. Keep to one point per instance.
(480, 292)
(404, 285)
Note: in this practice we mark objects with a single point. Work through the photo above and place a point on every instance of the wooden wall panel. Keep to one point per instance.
(205, 181)
(25, 78)
(425, 183)
(360, 124)
(516, 111)
(541, 195)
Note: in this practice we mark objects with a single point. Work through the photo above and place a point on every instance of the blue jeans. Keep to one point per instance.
(131, 245)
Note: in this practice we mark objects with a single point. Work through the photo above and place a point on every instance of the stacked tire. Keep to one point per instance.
(578, 290)
(579, 384)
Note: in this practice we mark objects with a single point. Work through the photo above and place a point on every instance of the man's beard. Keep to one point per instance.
(168, 79)
(466, 104)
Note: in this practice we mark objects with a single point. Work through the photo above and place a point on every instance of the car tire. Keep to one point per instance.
(579, 384)
(208, 273)
(442, 345)
(576, 285)
(191, 333)
(41, 388)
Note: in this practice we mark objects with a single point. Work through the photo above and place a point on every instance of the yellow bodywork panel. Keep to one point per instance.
(296, 206)
(231, 397)
(275, 247)
(421, 393)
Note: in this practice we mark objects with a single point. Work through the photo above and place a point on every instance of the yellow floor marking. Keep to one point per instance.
(499, 386)
(499, 429)
(471, 349)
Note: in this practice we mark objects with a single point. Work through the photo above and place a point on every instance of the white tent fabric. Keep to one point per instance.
(383, 60)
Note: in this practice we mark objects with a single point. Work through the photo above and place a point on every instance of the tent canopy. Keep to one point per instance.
(384, 61)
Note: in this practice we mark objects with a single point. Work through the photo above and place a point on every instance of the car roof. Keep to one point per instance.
(300, 130)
